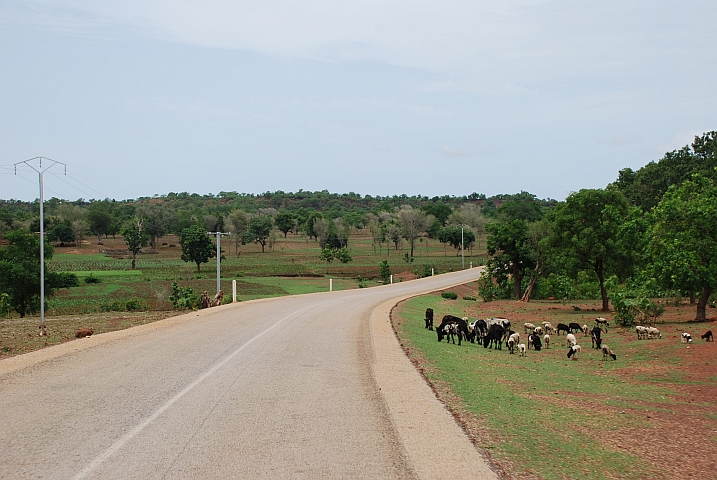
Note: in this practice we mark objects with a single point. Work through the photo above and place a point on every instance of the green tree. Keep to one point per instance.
(385, 272)
(585, 233)
(197, 247)
(452, 236)
(157, 220)
(327, 254)
(236, 221)
(62, 232)
(683, 239)
(285, 222)
(258, 230)
(20, 271)
(412, 223)
(135, 238)
(99, 219)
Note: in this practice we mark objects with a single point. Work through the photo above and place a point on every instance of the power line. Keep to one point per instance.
(73, 186)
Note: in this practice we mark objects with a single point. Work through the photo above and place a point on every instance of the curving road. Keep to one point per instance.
(294, 387)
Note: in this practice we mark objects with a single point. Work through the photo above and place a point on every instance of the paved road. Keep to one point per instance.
(281, 388)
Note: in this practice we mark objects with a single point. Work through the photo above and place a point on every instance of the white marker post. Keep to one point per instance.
(391, 279)
(234, 291)
(331, 284)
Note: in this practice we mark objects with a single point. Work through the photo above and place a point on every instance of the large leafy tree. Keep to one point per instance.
(452, 236)
(20, 271)
(584, 233)
(412, 223)
(285, 222)
(197, 247)
(99, 219)
(156, 220)
(508, 241)
(683, 239)
(258, 230)
(646, 186)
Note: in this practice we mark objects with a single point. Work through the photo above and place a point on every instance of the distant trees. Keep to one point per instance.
(285, 222)
(135, 238)
(413, 223)
(453, 237)
(236, 221)
(99, 220)
(258, 230)
(197, 247)
(156, 220)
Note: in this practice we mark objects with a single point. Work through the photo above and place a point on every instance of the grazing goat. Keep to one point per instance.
(511, 345)
(585, 330)
(606, 352)
(652, 332)
(574, 352)
(546, 339)
(529, 326)
(451, 331)
(521, 349)
(686, 338)
(538, 330)
(462, 327)
(480, 329)
(571, 339)
(596, 334)
(495, 336)
(563, 328)
(575, 327)
(429, 318)
(534, 340)
(602, 321)
(549, 328)
(641, 332)
(707, 337)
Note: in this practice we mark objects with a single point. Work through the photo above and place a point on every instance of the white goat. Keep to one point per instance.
(571, 340)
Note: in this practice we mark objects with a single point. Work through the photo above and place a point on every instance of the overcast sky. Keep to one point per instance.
(374, 97)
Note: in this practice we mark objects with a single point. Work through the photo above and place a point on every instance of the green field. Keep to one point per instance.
(555, 418)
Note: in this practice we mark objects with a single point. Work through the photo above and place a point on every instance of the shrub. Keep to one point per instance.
(5, 307)
(183, 297)
(487, 289)
(92, 279)
(362, 282)
(385, 272)
(449, 295)
(64, 280)
(633, 302)
(468, 297)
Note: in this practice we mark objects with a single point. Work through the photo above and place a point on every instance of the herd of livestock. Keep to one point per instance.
(496, 332)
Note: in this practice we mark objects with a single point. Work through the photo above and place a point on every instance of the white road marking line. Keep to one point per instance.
(137, 429)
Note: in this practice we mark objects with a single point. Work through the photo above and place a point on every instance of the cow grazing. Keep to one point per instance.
(534, 340)
(462, 328)
(495, 336)
(563, 328)
(429, 318)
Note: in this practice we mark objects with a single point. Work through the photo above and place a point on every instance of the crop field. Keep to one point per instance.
(650, 414)
(136, 296)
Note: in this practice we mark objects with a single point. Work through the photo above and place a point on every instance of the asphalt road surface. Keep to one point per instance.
(310, 386)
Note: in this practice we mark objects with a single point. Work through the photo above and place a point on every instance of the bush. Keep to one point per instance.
(385, 272)
(449, 295)
(362, 282)
(468, 297)
(5, 307)
(64, 280)
(487, 288)
(183, 297)
(92, 279)
(633, 302)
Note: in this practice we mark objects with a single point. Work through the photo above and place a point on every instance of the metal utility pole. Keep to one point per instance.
(219, 256)
(463, 256)
(40, 172)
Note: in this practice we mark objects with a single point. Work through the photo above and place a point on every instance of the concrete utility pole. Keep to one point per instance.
(219, 256)
(40, 172)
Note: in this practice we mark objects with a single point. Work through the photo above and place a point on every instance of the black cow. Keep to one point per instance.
(480, 329)
(596, 334)
(462, 327)
(495, 336)
(429, 318)
(534, 340)
(563, 328)
(707, 337)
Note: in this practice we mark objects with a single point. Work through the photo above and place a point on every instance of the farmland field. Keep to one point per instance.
(291, 267)
(650, 414)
